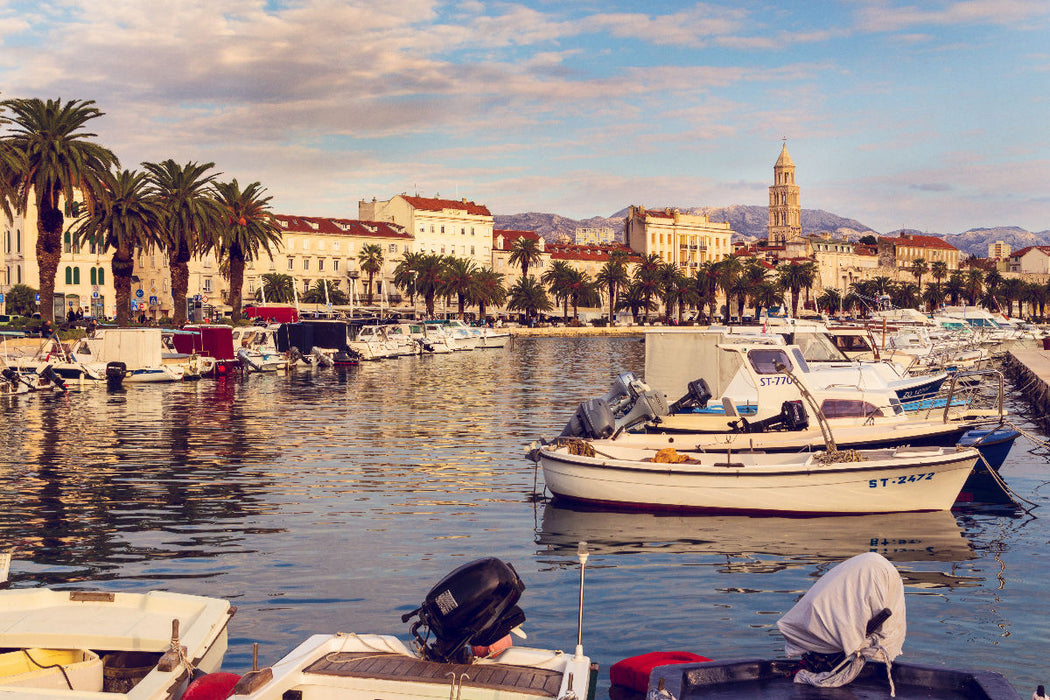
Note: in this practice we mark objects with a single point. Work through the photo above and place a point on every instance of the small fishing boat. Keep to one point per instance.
(873, 481)
(842, 639)
(464, 652)
(85, 644)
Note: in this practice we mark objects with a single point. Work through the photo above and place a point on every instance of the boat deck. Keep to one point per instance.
(396, 667)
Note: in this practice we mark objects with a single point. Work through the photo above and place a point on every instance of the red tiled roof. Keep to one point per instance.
(510, 235)
(1021, 253)
(923, 241)
(339, 227)
(573, 251)
(432, 204)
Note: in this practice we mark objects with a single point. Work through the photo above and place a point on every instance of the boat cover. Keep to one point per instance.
(833, 615)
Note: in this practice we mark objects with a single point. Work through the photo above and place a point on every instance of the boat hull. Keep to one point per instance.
(888, 482)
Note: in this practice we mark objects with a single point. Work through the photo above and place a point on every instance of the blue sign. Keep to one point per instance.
(38, 298)
(153, 301)
(1, 298)
(94, 295)
(139, 293)
(134, 305)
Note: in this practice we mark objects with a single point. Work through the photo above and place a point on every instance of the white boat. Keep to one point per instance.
(258, 348)
(438, 341)
(494, 338)
(464, 652)
(140, 349)
(134, 646)
(882, 481)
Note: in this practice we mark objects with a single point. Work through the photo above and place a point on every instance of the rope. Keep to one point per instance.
(58, 666)
(1002, 484)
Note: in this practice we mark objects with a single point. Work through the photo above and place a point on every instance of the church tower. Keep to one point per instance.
(785, 212)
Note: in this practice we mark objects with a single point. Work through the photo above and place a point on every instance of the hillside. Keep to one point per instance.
(749, 223)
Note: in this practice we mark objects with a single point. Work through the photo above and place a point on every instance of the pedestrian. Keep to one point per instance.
(1039, 694)
(71, 317)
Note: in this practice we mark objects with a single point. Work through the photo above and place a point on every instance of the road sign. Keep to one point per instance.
(38, 298)
(1, 298)
(134, 305)
(94, 287)
(139, 293)
(153, 301)
(94, 295)
(204, 298)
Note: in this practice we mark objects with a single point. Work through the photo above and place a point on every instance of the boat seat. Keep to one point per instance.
(730, 408)
(400, 668)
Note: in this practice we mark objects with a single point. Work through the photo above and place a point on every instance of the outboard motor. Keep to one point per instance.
(792, 417)
(115, 373)
(322, 359)
(475, 605)
(52, 377)
(593, 419)
(648, 406)
(10, 375)
(698, 393)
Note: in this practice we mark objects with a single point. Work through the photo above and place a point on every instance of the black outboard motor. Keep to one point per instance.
(698, 393)
(792, 417)
(115, 373)
(52, 377)
(475, 605)
(593, 419)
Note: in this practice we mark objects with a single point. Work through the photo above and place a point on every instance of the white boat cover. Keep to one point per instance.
(833, 615)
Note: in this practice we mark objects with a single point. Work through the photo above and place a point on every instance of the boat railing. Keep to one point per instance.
(969, 394)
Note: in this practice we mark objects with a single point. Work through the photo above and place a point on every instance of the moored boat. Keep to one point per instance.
(135, 646)
(879, 481)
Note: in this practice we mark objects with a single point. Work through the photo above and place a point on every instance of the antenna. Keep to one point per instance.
(582, 553)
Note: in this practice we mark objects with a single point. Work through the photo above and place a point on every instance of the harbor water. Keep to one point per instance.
(333, 500)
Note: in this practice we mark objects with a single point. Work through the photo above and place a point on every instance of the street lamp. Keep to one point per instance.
(413, 295)
(353, 275)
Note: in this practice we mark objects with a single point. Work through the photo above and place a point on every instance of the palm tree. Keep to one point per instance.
(370, 260)
(974, 284)
(612, 276)
(794, 277)
(706, 285)
(525, 251)
(1012, 290)
(919, 267)
(189, 213)
(488, 290)
(559, 278)
(647, 276)
(127, 219)
(955, 287)
(634, 298)
(830, 301)
(430, 279)
(767, 295)
(246, 227)
(727, 273)
(528, 296)
(405, 274)
(671, 277)
(582, 291)
(460, 277)
(318, 294)
(276, 288)
(53, 160)
(939, 270)
(904, 295)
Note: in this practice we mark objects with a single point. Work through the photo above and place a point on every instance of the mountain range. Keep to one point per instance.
(750, 222)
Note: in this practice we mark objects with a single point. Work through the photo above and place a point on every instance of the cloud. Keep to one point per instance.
(885, 16)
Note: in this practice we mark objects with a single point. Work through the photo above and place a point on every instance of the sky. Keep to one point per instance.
(925, 115)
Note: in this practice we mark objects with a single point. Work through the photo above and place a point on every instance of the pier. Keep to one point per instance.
(1030, 371)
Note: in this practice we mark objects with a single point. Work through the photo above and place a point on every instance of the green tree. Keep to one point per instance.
(188, 214)
(1011, 290)
(583, 292)
(795, 277)
(528, 296)
(829, 301)
(634, 298)
(525, 252)
(706, 285)
(488, 290)
(939, 270)
(613, 276)
(246, 228)
(559, 278)
(370, 260)
(956, 286)
(727, 273)
(317, 294)
(647, 277)
(405, 273)
(974, 284)
(869, 240)
(54, 159)
(919, 267)
(430, 279)
(126, 219)
(460, 278)
(21, 300)
(276, 288)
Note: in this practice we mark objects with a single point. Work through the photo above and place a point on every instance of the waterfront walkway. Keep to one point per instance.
(1030, 370)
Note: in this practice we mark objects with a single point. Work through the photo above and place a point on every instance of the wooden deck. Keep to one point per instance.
(395, 667)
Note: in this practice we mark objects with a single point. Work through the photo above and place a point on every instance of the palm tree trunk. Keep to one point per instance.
(48, 255)
(371, 276)
(236, 284)
(180, 282)
(122, 267)
(794, 302)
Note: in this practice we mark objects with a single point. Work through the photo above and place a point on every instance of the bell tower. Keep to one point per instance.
(785, 212)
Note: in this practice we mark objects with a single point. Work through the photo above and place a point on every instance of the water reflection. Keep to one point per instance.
(900, 537)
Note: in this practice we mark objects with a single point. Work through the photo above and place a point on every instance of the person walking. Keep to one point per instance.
(1039, 694)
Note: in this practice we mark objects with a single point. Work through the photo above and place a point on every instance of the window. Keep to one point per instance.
(66, 243)
(462, 231)
(472, 250)
(766, 361)
(335, 264)
(101, 275)
(291, 263)
(207, 262)
(432, 228)
(76, 275)
(393, 247)
(306, 245)
(306, 263)
(251, 285)
(207, 284)
(442, 229)
(94, 276)
(18, 248)
(69, 273)
(471, 230)
(320, 264)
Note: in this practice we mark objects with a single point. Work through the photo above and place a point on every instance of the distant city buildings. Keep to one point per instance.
(594, 235)
(785, 208)
(998, 250)
(687, 240)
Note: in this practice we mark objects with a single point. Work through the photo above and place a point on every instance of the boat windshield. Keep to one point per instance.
(818, 347)
(765, 361)
(848, 408)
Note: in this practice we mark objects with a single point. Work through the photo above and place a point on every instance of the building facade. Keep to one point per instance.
(902, 251)
(594, 235)
(1033, 260)
(1000, 250)
(438, 226)
(785, 209)
(502, 247)
(687, 240)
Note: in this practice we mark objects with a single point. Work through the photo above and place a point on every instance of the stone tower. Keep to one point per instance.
(785, 212)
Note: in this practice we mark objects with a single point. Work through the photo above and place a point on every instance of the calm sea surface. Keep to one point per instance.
(333, 500)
